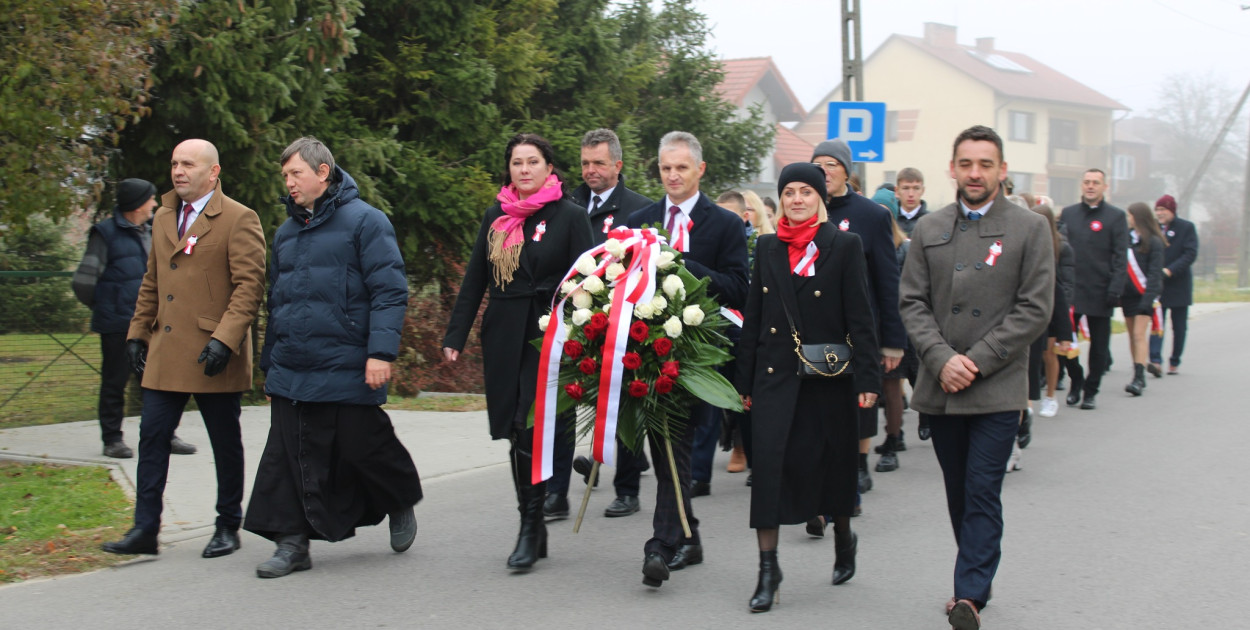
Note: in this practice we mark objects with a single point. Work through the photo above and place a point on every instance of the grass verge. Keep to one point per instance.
(53, 519)
(438, 403)
(1220, 288)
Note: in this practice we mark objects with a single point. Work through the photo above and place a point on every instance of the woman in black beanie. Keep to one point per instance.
(808, 287)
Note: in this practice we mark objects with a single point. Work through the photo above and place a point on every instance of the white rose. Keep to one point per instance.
(607, 308)
(593, 284)
(614, 248)
(665, 260)
(644, 311)
(692, 315)
(672, 327)
(582, 299)
(673, 286)
(614, 271)
(568, 287)
(543, 321)
(585, 264)
(581, 316)
(658, 303)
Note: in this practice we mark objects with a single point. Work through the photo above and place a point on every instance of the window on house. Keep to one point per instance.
(1020, 126)
(1063, 134)
(889, 177)
(891, 126)
(1021, 182)
(1063, 191)
(1125, 167)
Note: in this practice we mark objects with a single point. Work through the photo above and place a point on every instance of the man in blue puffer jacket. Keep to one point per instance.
(337, 297)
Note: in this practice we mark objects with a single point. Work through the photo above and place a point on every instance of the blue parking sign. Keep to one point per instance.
(861, 126)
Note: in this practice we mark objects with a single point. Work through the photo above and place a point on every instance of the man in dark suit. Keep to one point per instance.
(977, 290)
(607, 201)
(1098, 234)
(200, 294)
(1178, 283)
(852, 212)
(715, 247)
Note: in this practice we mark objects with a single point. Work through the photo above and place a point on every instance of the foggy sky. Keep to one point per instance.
(1122, 48)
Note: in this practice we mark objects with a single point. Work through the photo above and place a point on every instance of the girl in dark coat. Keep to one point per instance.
(527, 242)
(805, 434)
(1145, 282)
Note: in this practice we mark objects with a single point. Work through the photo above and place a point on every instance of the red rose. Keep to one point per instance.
(670, 369)
(573, 348)
(632, 360)
(588, 366)
(593, 333)
(639, 332)
(598, 320)
(664, 385)
(638, 389)
(574, 390)
(662, 346)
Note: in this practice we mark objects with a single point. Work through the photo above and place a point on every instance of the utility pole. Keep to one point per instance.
(1243, 256)
(852, 63)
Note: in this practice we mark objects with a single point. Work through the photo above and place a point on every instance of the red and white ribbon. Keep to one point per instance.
(996, 250)
(845, 225)
(734, 317)
(681, 236)
(1135, 272)
(637, 284)
(807, 264)
(1156, 320)
(607, 224)
(539, 230)
(191, 241)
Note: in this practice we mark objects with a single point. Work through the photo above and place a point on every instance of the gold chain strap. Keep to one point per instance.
(830, 357)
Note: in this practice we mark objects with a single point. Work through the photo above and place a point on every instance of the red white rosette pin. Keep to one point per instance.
(539, 230)
(844, 225)
(607, 224)
(996, 250)
(1095, 226)
(191, 241)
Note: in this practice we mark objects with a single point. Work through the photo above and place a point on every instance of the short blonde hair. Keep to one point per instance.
(760, 219)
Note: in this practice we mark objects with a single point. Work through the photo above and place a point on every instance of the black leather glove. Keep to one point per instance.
(214, 357)
(137, 355)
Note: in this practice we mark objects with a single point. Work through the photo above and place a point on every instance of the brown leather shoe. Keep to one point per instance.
(737, 460)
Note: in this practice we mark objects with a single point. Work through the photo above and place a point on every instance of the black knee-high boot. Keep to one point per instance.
(845, 546)
(531, 540)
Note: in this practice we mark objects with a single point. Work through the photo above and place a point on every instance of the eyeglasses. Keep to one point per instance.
(831, 165)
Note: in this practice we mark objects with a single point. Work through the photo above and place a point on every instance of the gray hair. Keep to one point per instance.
(312, 151)
(599, 136)
(681, 137)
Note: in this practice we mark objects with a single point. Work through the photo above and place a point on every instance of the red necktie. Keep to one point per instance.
(673, 213)
(186, 217)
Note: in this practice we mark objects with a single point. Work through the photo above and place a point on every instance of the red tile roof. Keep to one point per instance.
(789, 147)
(743, 74)
(1041, 82)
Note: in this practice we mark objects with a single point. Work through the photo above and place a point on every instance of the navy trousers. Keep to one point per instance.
(162, 411)
(562, 455)
(666, 523)
(706, 438)
(1180, 325)
(973, 451)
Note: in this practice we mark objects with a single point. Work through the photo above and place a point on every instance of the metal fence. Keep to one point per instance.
(49, 358)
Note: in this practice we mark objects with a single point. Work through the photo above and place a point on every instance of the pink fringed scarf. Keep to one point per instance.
(507, 232)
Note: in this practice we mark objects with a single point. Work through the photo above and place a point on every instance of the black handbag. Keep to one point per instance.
(820, 360)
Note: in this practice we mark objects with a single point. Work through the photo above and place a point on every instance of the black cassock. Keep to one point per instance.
(327, 469)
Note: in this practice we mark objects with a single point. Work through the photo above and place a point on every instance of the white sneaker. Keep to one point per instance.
(1013, 463)
(1050, 407)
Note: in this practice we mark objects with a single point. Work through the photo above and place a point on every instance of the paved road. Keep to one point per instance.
(1132, 516)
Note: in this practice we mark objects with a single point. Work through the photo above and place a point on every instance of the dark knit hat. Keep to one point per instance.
(1168, 202)
(837, 150)
(805, 172)
(132, 193)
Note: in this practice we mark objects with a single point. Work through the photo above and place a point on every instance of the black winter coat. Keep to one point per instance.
(805, 432)
(871, 221)
(1178, 258)
(1149, 254)
(718, 247)
(511, 318)
(1099, 238)
(615, 209)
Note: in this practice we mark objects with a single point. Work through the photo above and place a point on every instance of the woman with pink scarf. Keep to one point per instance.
(527, 242)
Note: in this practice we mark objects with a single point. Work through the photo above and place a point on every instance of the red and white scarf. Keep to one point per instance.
(800, 248)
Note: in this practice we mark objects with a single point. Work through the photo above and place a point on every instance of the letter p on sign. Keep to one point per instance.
(861, 126)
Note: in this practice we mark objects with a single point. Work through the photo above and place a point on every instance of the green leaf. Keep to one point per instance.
(709, 386)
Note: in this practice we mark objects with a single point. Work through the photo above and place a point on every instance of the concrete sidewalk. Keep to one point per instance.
(441, 444)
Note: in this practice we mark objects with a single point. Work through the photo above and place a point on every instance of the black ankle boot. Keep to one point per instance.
(768, 588)
(1139, 380)
(844, 559)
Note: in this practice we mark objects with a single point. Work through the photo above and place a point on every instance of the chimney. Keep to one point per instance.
(985, 44)
(942, 35)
